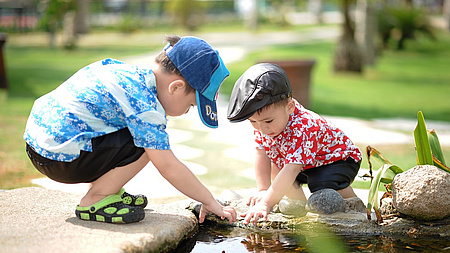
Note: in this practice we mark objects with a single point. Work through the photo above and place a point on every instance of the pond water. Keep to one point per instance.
(216, 239)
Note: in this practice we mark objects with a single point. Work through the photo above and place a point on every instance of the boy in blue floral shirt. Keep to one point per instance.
(107, 121)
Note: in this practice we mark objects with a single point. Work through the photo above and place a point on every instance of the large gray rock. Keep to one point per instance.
(41, 220)
(325, 201)
(422, 192)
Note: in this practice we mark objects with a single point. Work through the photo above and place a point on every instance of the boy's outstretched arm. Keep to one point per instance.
(280, 186)
(186, 182)
(263, 176)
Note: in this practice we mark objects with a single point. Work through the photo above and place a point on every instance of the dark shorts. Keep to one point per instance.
(338, 175)
(108, 152)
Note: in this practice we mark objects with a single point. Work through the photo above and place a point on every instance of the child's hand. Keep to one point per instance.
(260, 210)
(253, 200)
(219, 210)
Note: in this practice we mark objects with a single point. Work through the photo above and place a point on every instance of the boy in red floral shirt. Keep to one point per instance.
(294, 145)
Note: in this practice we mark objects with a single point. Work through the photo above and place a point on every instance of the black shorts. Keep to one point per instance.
(338, 175)
(108, 152)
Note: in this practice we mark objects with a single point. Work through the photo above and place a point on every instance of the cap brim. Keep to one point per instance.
(207, 111)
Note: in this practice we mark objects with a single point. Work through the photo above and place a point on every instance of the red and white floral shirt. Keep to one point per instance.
(308, 139)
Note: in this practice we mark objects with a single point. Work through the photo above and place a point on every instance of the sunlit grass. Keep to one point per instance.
(15, 169)
(35, 71)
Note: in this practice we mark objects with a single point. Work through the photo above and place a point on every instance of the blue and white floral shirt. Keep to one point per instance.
(101, 98)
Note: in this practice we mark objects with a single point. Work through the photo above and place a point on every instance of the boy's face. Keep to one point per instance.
(272, 120)
(180, 103)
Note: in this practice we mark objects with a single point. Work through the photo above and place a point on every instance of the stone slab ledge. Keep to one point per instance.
(41, 220)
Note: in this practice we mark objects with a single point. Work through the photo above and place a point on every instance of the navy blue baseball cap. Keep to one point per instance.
(204, 70)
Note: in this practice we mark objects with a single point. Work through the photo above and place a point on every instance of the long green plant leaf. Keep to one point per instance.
(438, 155)
(435, 146)
(439, 164)
(374, 186)
(423, 148)
(373, 152)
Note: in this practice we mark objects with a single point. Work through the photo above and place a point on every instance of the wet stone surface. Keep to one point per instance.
(351, 222)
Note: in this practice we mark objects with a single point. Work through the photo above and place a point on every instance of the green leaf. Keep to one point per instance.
(386, 180)
(423, 149)
(435, 146)
(374, 186)
(440, 165)
(438, 155)
(395, 169)
(373, 152)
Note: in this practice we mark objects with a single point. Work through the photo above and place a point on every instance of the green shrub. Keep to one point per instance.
(403, 23)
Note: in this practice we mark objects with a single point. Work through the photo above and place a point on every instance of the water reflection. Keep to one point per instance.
(210, 239)
(273, 242)
(396, 244)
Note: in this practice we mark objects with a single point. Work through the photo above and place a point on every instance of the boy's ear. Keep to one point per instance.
(176, 85)
(290, 106)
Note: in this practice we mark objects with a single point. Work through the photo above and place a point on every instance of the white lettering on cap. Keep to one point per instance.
(210, 113)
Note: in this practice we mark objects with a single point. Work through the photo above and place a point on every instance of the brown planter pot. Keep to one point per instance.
(299, 73)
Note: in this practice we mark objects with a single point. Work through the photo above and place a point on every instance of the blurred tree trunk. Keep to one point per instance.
(347, 55)
(408, 2)
(54, 14)
(81, 16)
(447, 13)
(143, 11)
(366, 30)
(316, 7)
(187, 13)
(52, 38)
(252, 21)
(69, 35)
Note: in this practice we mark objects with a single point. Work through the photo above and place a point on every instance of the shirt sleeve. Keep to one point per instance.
(258, 140)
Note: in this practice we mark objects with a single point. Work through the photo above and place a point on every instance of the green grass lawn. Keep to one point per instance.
(35, 71)
(400, 84)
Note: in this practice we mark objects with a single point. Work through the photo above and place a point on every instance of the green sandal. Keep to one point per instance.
(112, 210)
(133, 200)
